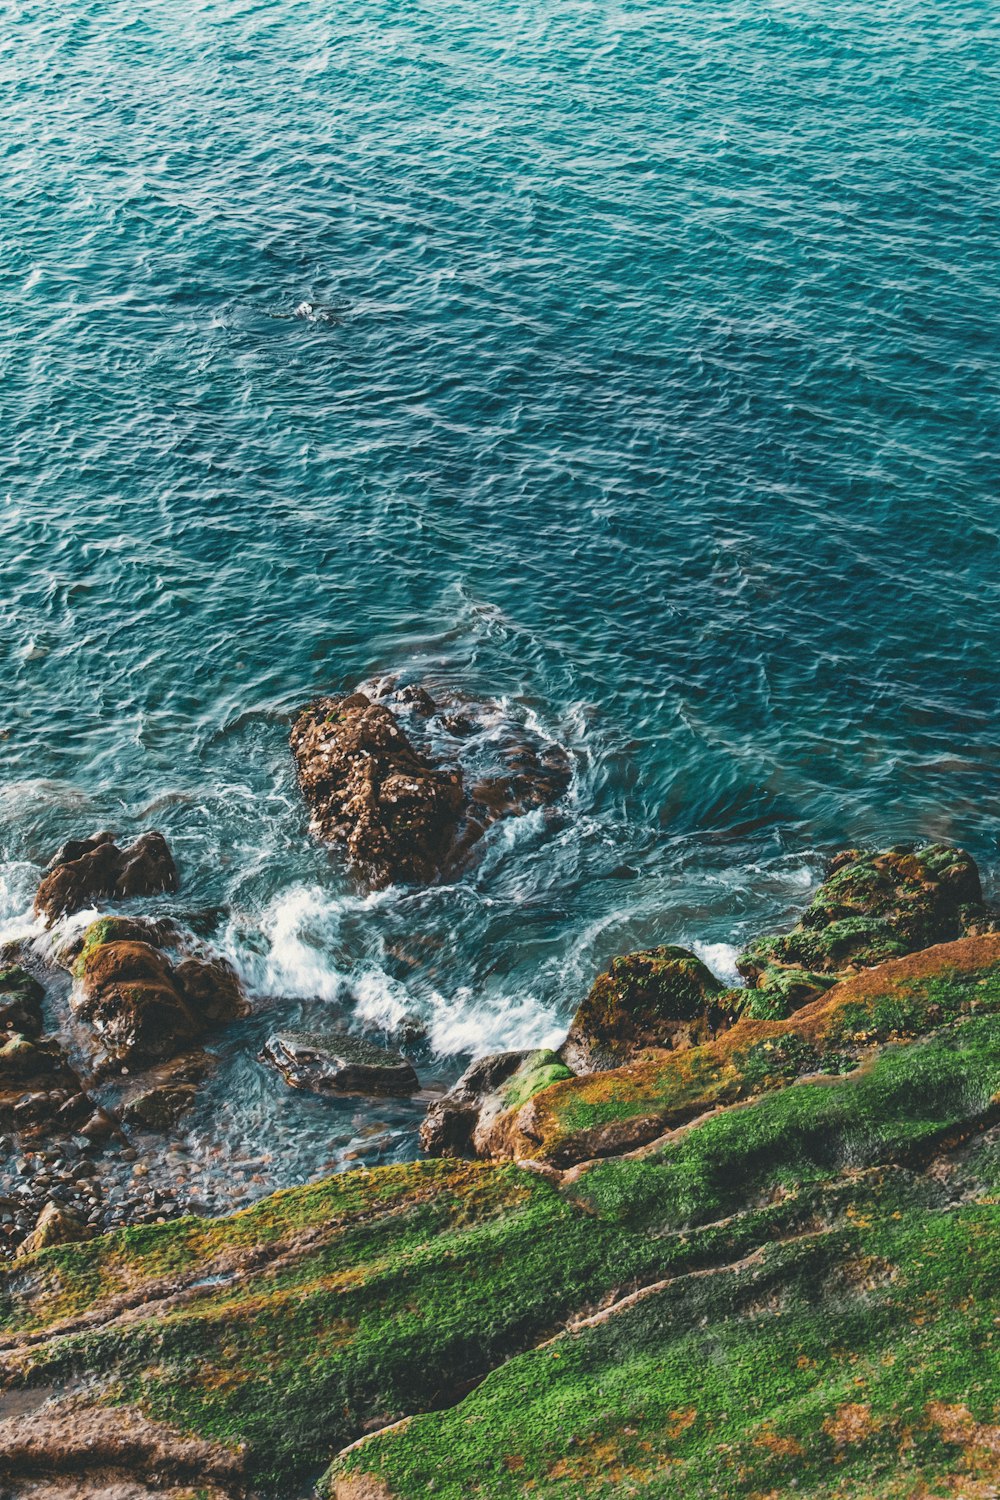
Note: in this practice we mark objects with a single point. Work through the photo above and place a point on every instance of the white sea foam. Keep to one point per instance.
(721, 959)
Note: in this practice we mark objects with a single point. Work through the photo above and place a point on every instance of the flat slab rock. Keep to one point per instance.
(335, 1062)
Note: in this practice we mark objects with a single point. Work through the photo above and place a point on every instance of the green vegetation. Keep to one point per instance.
(798, 1284)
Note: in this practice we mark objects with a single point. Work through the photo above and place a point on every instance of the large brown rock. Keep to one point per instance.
(658, 997)
(144, 1005)
(86, 871)
(401, 817)
(370, 789)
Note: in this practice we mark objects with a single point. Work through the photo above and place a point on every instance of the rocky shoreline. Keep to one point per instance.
(701, 1178)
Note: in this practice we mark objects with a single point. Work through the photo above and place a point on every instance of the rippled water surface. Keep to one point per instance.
(634, 363)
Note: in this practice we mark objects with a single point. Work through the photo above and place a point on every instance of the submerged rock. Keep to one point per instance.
(144, 1004)
(86, 871)
(657, 997)
(335, 1062)
(368, 787)
(871, 907)
(165, 1091)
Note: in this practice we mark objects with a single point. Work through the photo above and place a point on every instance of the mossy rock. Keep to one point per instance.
(657, 997)
(604, 1113)
(873, 907)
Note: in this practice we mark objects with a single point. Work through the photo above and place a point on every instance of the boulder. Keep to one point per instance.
(86, 871)
(870, 908)
(463, 1121)
(371, 787)
(368, 788)
(335, 1062)
(657, 997)
(144, 1005)
(56, 1225)
(39, 1087)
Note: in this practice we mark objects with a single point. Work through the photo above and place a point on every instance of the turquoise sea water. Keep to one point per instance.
(634, 363)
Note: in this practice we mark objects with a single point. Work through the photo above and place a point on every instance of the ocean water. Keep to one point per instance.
(631, 364)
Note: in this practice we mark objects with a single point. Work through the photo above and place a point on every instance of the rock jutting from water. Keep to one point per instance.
(336, 1062)
(87, 871)
(143, 1003)
(400, 816)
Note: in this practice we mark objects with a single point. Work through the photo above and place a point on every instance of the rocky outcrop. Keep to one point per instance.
(88, 871)
(871, 907)
(367, 787)
(461, 1123)
(400, 816)
(144, 1003)
(335, 1062)
(658, 997)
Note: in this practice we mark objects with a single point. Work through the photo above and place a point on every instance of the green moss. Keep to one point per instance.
(905, 1101)
(864, 1362)
(779, 992)
(537, 1072)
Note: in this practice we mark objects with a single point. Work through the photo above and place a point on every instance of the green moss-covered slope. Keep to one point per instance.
(792, 1290)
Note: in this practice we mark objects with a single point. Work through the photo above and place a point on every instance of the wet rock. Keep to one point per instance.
(56, 1225)
(37, 1084)
(870, 908)
(162, 933)
(462, 1123)
(165, 1092)
(212, 989)
(336, 1062)
(400, 816)
(142, 1004)
(21, 998)
(369, 788)
(127, 992)
(657, 997)
(86, 871)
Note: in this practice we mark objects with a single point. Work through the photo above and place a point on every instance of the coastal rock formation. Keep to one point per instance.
(144, 1004)
(871, 907)
(370, 789)
(400, 816)
(461, 1122)
(659, 997)
(38, 1085)
(335, 1062)
(792, 1291)
(87, 871)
